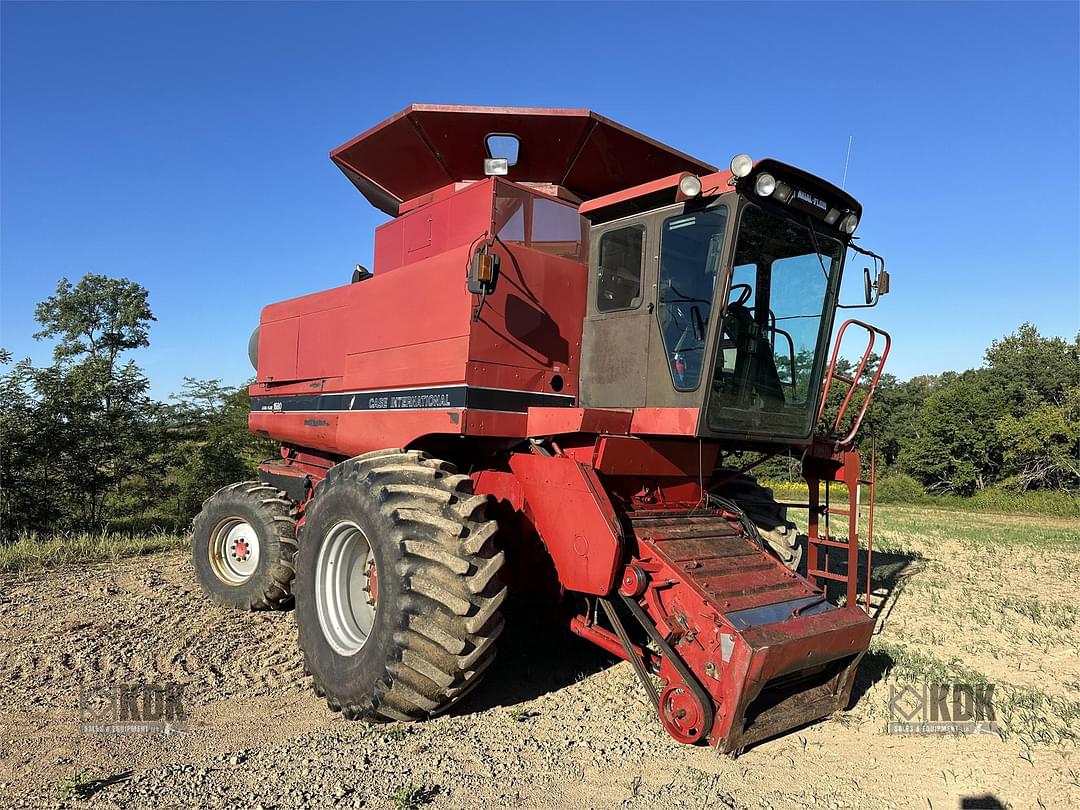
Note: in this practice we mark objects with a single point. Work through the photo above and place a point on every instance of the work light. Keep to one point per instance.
(496, 167)
(690, 186)
(765, 184)
(741, 165)
(849, 223)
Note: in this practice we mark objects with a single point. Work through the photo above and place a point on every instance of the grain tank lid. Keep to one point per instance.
(425, 147)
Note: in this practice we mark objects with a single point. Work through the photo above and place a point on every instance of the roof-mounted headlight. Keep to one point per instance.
(849, 223)
(690, 185)
(765, 184)
(741, 165)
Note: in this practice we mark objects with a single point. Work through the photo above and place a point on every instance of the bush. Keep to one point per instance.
(899, 488)
(1035, 502)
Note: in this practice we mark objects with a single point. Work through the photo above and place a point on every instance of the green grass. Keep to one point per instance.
(1031, 715)
(76, 786)
(412, 796)
(897, 523)
(993, 500)
(31, 551)
(1050, 614)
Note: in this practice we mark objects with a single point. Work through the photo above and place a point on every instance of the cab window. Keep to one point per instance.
(620, 261)
(690, 249)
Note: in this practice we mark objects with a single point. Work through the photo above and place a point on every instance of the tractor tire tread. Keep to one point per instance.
(780, 533)
(449, 617)
(275, 589)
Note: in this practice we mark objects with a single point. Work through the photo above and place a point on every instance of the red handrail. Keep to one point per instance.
(853, 382)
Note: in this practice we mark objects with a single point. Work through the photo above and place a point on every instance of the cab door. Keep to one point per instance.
(615, 342)
(691, 272)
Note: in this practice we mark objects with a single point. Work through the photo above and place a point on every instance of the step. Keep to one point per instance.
(813, 572)
(822, 541)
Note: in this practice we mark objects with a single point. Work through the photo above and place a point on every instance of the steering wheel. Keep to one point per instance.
(744, 295)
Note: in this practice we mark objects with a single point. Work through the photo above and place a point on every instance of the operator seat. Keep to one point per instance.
(754, 361)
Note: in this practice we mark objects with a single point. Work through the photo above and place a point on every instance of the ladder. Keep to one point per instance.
(820, 536)
(837, 462)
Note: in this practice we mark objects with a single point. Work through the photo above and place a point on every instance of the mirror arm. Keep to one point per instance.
(877, 287)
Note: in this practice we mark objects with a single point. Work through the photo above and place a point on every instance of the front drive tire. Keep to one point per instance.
(397, 587)
(243, 543)
(771, 519)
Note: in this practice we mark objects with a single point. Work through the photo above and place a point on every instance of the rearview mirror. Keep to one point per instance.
(873, 289)
(874, 286)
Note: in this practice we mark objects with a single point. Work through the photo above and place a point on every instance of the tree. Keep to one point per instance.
(954, 446)
(100, 317)
(210, 443)
(1038, 381)
(1041, 449)
(1031, 370)
(19, 447)
(95, 416)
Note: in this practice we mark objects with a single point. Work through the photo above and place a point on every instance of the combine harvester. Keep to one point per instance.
(570, 332)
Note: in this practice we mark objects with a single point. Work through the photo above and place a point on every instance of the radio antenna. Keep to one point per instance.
(847, 159)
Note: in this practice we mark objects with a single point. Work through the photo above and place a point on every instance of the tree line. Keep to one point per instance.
(83, 445)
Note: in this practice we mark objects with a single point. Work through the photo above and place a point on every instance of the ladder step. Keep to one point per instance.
(813, 572)
(821, 541)
(835, 510)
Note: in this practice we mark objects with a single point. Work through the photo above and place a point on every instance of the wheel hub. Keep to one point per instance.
(372, 586)
(234, 551)
(346, 588)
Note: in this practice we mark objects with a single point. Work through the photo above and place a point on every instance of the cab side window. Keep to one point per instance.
(620, 261)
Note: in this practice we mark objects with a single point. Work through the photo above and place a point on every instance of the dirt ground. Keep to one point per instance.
(556, 723)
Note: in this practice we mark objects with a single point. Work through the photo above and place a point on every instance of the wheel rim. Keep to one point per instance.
(234, 551)
(346, 588)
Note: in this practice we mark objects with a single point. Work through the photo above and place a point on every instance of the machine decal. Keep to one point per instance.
(812, 200)
(413, 399)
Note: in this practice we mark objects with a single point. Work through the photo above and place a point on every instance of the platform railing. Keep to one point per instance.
(855, 382)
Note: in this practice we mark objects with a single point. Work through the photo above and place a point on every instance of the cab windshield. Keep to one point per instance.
(775, 326)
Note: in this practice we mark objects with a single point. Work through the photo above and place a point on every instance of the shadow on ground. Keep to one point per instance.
(536, 657)
(892, 570)
(891, 573)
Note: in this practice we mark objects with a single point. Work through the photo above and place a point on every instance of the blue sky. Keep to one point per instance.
(185, 145)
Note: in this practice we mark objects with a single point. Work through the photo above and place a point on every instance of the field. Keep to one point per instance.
(960, 596)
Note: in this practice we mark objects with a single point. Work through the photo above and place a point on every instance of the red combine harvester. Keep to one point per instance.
(571, 332)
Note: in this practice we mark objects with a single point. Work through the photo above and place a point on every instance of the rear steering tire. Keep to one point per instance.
(398, 587)
(243, 543)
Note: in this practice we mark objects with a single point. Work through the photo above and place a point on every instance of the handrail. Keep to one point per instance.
(872, 335)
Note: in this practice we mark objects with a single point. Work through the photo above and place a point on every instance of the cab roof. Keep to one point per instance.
(426, 147)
